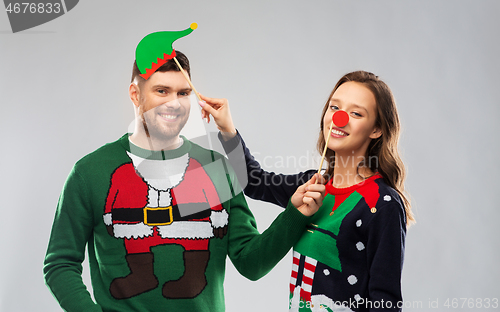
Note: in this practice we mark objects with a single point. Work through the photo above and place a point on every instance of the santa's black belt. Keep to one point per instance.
(158, 216)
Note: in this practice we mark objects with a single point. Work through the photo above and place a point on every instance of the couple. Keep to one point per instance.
(159, 214)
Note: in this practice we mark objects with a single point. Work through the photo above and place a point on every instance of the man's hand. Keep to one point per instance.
(309, 196)
(219, 109)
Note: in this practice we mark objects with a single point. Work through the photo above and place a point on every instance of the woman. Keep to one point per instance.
(351, 256)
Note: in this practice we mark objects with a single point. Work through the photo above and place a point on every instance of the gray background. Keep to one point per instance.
(63, 88)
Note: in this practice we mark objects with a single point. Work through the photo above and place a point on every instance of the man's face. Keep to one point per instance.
(163, 103)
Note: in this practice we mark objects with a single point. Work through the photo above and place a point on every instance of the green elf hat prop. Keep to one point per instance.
(155, 49)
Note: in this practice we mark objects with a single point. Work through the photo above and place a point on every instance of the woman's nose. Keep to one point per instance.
(340, 118)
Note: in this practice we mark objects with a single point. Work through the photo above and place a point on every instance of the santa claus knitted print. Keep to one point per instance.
(153, 202)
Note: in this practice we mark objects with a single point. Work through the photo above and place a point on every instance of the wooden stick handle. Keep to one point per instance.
(326, 147)
(187, 78)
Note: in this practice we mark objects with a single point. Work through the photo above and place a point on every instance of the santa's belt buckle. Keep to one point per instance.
(158, 216)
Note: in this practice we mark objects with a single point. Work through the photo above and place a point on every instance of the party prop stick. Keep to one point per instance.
(326, 147)
(187, 78)
(340, 119)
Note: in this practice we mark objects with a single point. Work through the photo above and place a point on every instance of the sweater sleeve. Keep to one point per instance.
(72, 227)
(258, 183)
(385, 250)
(254, 254)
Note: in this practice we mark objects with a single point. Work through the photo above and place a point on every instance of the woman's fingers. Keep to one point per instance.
(219, 110)
(213, 102)
(319, 179)
(313, 192)
(317, 197)
(207, 108)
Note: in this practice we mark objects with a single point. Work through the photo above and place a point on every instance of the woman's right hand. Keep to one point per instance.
(219, 109)
(309, 196)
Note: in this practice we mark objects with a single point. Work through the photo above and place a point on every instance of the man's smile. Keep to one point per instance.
(169, 116)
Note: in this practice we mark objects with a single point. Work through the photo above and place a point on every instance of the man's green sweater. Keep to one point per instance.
(158, 227)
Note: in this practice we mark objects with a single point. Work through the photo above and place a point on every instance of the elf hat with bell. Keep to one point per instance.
(155, 49)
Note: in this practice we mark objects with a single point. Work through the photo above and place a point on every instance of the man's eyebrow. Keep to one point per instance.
(170, 88)
(161, 86)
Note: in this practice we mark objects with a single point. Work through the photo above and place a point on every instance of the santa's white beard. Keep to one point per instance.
(161, 174)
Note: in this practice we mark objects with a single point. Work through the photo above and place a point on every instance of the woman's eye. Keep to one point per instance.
(357, 114)
(334, 107)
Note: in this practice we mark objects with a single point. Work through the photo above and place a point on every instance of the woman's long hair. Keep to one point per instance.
(383, 149)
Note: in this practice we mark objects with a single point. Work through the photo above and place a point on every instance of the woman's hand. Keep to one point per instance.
(309, 196)
(219, 109)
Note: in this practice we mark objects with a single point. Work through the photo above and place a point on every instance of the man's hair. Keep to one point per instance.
(170, 65)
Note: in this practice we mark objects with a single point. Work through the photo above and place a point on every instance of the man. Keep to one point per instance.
(159, 214)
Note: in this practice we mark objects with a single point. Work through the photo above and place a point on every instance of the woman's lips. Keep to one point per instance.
(338, 133)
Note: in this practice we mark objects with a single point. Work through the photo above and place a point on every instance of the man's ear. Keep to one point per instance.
(377, 133)
(134, 93)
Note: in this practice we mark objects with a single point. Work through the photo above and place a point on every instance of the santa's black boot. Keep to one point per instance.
(140, 279)
(193, 281)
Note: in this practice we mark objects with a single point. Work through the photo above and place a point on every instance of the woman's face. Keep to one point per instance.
(359, 103)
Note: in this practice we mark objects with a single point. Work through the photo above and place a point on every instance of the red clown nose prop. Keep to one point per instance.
(340, 118)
